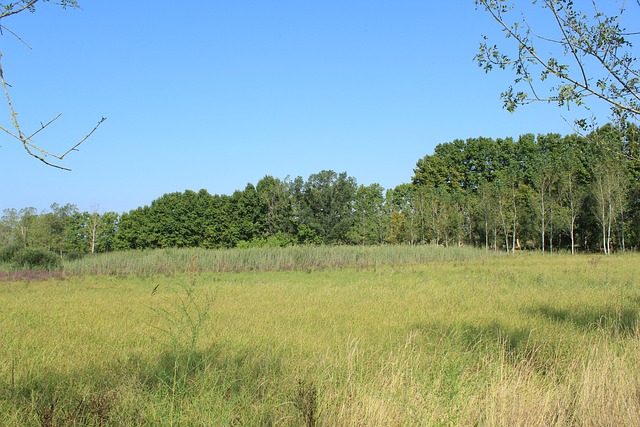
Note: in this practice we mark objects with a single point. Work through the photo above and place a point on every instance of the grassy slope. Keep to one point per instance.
(529, 340)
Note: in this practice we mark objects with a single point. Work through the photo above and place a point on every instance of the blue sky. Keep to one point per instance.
(219, 94)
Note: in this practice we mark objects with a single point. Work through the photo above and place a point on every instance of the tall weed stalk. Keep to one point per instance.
(183, 321)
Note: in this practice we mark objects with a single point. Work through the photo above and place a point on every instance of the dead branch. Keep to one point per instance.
(27, 142)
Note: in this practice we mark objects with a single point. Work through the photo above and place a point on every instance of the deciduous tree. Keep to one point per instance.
(325, 205)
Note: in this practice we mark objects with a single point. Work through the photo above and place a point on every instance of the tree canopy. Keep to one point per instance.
(547, 192)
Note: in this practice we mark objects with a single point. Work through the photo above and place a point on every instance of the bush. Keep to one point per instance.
(73, 256)
(8, 252)
(36, 259)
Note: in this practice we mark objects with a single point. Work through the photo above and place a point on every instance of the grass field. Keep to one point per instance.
(467, 340)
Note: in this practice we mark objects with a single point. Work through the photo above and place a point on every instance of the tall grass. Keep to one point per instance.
(504, 341)
(172, 261)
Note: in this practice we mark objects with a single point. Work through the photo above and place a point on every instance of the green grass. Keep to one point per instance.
(526, 340)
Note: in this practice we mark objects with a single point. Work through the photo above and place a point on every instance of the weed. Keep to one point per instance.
(184, 320)
(306, 402)
(46, 415)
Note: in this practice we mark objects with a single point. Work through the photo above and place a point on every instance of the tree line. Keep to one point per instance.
(546, 192)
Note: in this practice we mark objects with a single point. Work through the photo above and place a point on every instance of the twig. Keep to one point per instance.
(16, 36)
(31, 148)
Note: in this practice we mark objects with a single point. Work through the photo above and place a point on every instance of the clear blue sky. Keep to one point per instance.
(216, 94)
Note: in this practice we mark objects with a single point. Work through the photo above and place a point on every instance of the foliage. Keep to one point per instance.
(274, 195)
(578, 56)
(36, 258)
(515, 189)
(8, 9)
(324, 205)
(369, 219)
(8, 252)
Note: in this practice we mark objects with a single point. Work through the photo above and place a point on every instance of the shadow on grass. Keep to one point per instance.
(246, 370)
(56, 400)
(612, 320)
(467, 345)
(242, 381)
(468, 337)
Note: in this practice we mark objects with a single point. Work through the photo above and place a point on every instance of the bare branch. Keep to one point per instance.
(31, 148)
(74, 148)
(15, 35)
(44, 126)
(13, 8)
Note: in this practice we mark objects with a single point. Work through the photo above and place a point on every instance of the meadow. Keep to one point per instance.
(394, 336)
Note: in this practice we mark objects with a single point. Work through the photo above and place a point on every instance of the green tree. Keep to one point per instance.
(16, 225)
(275, 196)
(50, 230)
(134, 230)
(423, 203)
(438, 211)
(369, 217)
(324, 205)
(572, 180)
(632, 153)
(508, 181)
(487, 213)
(404, 221)
(220, 228)
(610, 183)
(92, 232)
(544, 173)
(248, 214)
(572, 55)
(446, 167)
(177, 219)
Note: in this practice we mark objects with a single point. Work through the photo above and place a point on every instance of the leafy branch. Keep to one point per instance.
(591, 56)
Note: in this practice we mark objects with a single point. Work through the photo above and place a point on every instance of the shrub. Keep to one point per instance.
(278, 240)
(36, 259)
(73, 256)
(9, 251)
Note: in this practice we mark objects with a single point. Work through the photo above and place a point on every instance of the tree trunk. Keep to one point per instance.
(573, 216)
(515, 217)
(551, 227)
(542, 213)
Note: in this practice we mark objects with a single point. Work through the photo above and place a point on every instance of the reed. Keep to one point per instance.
(172, 261)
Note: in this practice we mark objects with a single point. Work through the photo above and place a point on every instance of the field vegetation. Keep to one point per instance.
(323, 336)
